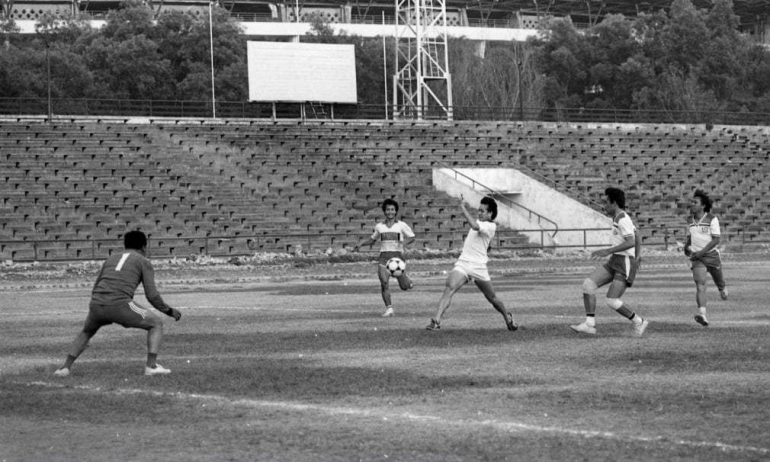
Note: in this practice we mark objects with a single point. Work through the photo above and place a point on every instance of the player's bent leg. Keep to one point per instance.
(384, 275)
(454, 281)
(488, 290)
(719, 280)
(79, 345)
(616, 290)
(154, 328)
(154, 339)
(404, 282)
(599, 277)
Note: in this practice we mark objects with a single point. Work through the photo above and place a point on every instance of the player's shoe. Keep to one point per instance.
(701, 319)
(434, 325)
(512, 326)
(724, 294)
(640, 328)
(157, 370)
(63, 372)
(388, 313)
(583, 328)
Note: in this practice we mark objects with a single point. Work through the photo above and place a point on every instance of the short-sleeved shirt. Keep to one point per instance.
(622, 228)
(477, 242)
(703, 231)
(392, 238)
(119, 277)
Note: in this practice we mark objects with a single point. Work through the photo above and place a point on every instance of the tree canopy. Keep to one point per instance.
(681, 59)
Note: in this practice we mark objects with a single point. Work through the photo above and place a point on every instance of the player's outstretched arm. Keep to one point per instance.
(468, 216)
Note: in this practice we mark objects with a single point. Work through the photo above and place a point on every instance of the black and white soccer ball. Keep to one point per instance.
(395, 266)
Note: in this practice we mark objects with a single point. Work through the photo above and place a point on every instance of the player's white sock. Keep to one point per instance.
(702, 310)
(590, 321)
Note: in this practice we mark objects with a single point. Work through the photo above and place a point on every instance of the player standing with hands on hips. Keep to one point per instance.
(394, 236)
(112, 302)
(619, 271)
(472, 263)
(703, 236)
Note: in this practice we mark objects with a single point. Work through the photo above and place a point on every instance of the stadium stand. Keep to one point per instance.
(70, 189)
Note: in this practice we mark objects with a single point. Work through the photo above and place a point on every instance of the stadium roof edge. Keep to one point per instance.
(283, 29)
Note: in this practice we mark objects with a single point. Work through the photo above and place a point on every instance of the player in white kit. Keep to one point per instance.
(472, 263)
(620, 269)
(703, 236)
(394, 235)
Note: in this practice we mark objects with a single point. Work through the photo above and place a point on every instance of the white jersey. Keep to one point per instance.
(477, 242)
(392, 238)
(622, 228)
(702, 231)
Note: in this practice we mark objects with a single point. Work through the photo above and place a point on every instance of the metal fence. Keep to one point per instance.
(316, 244)
(65, 107)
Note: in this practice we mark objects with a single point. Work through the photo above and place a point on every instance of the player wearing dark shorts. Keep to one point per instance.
(703, 237)
(619, 271)
(394, 235)
(112, 301)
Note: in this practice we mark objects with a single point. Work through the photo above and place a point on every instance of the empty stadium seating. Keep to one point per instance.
(70, 189)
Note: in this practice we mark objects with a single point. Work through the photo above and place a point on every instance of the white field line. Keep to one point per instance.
(508, 426)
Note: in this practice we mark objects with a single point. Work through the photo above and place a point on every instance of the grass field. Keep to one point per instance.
(301, 370)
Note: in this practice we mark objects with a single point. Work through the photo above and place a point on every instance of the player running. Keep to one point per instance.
(394, 236)
(112, 302)
(619, 271)
(703, 236)
(472, 263)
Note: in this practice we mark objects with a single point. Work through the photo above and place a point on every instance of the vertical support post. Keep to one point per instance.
(211, 49)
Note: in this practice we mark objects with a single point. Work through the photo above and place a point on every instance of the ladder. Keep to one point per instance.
(319, 111)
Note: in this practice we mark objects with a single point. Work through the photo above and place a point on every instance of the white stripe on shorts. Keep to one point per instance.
(137, 309)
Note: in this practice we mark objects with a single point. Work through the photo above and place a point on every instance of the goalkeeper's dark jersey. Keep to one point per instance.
(119, 277)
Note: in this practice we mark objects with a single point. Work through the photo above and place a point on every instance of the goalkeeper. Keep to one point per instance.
(112, 302)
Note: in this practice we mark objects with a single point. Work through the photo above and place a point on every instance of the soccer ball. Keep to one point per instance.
(396, 266)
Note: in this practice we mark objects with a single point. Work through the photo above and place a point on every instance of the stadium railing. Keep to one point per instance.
(66, 107)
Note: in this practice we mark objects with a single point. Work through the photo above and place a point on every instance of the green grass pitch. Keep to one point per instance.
(303, 370)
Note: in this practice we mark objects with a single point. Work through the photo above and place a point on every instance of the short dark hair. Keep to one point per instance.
(617, 196)
(388, 202)
(134, 240)
(491, 205)
(705, 200)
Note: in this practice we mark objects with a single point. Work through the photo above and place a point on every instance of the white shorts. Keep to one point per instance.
(472, 271)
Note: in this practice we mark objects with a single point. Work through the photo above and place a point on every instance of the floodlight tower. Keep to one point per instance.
(422, 85)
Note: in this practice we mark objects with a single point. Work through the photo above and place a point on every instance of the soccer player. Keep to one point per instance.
(394, 236)
(112, 302)
(472, 263)
(619, 271)
(702, 240)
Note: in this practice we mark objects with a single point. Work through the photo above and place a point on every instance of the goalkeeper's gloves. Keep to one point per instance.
(174, 313)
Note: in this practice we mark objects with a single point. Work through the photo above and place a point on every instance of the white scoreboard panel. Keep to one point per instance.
(299, 72)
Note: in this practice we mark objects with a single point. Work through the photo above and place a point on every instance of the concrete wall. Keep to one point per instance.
(578, 224)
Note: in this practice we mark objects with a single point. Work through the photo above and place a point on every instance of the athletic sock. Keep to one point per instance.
(151, 360)
(68, 362)
(590, 320)
(636, 319)
(702, 310)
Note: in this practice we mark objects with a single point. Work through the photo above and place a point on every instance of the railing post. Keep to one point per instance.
(665, 239)
(585, 239)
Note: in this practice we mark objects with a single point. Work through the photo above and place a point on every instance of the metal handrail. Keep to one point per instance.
(502, 196)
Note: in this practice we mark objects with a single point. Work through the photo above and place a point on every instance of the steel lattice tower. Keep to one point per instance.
(422, 83)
